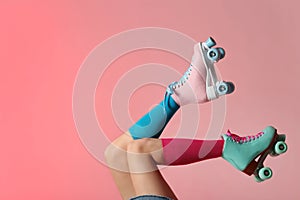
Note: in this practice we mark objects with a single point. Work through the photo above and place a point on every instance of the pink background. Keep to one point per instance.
(43, 44)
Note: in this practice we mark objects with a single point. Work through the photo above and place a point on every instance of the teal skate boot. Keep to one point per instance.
(247, 154)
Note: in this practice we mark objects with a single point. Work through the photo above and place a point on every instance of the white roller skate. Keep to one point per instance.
(200, 83)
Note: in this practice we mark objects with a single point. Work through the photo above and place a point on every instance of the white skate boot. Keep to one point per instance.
(200, 83)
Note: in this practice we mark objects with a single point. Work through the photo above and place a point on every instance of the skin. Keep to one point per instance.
(133, 165)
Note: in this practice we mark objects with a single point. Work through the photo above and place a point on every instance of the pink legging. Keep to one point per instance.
(179, 151)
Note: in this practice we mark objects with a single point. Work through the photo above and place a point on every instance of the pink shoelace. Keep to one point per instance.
(245, 139)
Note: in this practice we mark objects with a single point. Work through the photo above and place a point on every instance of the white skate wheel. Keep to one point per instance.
(265, 173)
(222, 52)
(280, 147)
(213, 54)
(231, 87)
(222, 88)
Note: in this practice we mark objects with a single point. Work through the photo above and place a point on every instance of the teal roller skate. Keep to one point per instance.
(248, 153)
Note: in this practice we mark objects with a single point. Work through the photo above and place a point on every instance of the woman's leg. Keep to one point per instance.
(199, 84)
(153, 123)
(191, 88)
(143, 156)
(116, 158)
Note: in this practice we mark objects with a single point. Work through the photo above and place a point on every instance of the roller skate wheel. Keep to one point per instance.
(222, 88)
(213, 54)
(273, 153)
(281, 137)
(231, 87)
(265, 173)
(222, 52)
(257, 179)
(280, 147)
(210, 42)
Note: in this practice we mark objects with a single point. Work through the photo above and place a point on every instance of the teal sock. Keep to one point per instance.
(153, 123)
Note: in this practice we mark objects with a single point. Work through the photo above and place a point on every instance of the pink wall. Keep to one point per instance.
(44, 43)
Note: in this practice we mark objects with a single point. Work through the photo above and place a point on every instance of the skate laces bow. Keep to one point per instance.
(239, 139)
(177, 84)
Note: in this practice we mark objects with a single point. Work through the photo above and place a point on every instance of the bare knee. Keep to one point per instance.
(115, 153)
(112, 152)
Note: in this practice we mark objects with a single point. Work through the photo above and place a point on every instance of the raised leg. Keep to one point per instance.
(191, 88)
(199, 84)
(145, 154)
